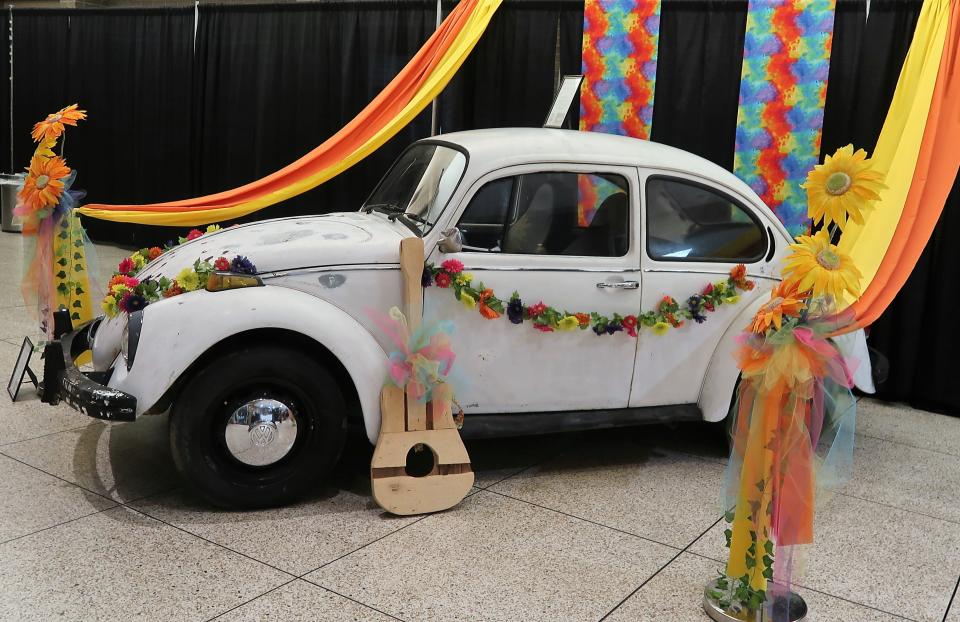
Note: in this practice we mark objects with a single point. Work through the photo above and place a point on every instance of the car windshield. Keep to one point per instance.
(419, 184)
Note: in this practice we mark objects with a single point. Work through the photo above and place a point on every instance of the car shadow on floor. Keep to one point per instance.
(131, 462)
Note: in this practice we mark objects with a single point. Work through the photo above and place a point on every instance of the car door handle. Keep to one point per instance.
(619, 285)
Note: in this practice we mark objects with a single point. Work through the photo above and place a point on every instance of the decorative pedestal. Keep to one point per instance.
(789, 608)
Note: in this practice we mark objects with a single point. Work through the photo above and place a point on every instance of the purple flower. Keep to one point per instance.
(426, 279)
(515, 310)
(242, 265)
(613, 327)
(136, 302)
(693, 304)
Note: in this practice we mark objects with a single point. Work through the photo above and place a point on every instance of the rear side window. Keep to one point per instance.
(690, 222)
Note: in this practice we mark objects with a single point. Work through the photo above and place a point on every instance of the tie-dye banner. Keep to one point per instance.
(783, 86)
(620, 39)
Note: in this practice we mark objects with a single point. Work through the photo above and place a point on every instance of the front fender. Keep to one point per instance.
(178, 331)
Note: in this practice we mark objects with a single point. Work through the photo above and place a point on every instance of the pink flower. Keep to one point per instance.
(129, 281)
(222, 264)
(126, 266)
(442, 279)
(453, 266)
(543, 328)
(708, 289)
(194, 234)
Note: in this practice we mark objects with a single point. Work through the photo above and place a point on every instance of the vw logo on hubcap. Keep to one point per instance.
(263, 434)
(261, 431)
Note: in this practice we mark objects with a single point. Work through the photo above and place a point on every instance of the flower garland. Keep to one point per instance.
(668, 313)
(127, 294)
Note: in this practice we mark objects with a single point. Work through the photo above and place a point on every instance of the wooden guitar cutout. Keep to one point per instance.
(406, 423)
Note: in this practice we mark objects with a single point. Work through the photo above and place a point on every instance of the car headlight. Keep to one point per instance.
(220, 281)
(131, 337)
(125, 340)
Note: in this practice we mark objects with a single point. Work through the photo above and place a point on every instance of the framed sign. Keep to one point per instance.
(22, 367)
(569, 87)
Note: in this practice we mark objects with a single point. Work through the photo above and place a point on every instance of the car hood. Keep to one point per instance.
(290, 243)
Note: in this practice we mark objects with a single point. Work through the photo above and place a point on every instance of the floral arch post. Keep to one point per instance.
(793, 421)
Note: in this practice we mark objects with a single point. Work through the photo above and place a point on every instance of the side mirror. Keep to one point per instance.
(451, 241)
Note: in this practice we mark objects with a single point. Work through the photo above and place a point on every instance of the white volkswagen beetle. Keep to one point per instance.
(261, 381)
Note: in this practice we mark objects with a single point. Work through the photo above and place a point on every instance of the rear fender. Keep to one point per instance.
(720, 380)
(178, 331)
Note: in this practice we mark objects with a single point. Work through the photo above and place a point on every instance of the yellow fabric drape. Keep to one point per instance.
(445, 70)
(899, 143)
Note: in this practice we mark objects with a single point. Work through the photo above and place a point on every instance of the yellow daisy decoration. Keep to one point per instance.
(660, 328)
(818, 266)
(841, 187)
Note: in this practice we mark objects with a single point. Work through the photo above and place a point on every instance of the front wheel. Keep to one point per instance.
(258, 427)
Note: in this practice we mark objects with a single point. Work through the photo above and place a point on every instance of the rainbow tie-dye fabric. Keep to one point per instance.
(783, 85)
(620, 39)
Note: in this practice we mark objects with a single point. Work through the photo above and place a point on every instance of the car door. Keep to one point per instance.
(695, 231)
(558, 233)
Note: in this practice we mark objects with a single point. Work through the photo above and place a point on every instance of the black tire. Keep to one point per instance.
(199, 417)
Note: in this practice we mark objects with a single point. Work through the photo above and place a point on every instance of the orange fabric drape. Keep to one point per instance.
(937, 165)
(351, 137)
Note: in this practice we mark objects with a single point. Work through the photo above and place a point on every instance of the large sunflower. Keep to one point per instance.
(785, 300)
(43, 186)
(52, 126)
(842, 186)
(818, 266)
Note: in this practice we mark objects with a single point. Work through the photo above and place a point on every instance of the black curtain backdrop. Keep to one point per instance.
(41, 44)
(511, 77)
(134, 78)
(273, 82)
(698, 76)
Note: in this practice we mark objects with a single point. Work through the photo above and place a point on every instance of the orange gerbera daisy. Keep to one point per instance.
(43, 186)
(52, 126)
(785, 300)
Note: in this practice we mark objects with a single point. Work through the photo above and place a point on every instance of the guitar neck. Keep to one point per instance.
(411, 267)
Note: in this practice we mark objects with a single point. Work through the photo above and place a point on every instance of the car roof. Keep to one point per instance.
(516, 145)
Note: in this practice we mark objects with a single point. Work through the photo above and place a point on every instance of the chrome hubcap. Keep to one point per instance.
(261, 431)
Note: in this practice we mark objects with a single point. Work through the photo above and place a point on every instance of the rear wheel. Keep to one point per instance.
(258, 427)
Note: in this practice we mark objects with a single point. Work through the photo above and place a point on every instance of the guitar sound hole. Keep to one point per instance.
(420, 461)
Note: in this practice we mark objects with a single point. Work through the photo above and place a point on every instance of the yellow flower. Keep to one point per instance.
(467, 300)
(464, 278)
(660, 328)
(569, 322)
(213, 228)
(842, 186)
(119, 288)
(818, 266)
(109, 306)
(732, 300)
(188, 279)
(138, 260)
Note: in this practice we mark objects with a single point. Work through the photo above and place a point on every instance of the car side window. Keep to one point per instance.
(555, 213)
(687, 221)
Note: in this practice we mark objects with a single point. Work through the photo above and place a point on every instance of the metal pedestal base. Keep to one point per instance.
(788, 608)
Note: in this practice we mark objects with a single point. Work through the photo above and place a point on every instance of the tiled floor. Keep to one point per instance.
(94, 525)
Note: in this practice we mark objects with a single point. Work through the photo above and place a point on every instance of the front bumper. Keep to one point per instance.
(85, 391)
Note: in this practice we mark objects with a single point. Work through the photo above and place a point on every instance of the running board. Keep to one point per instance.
(526, 424)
